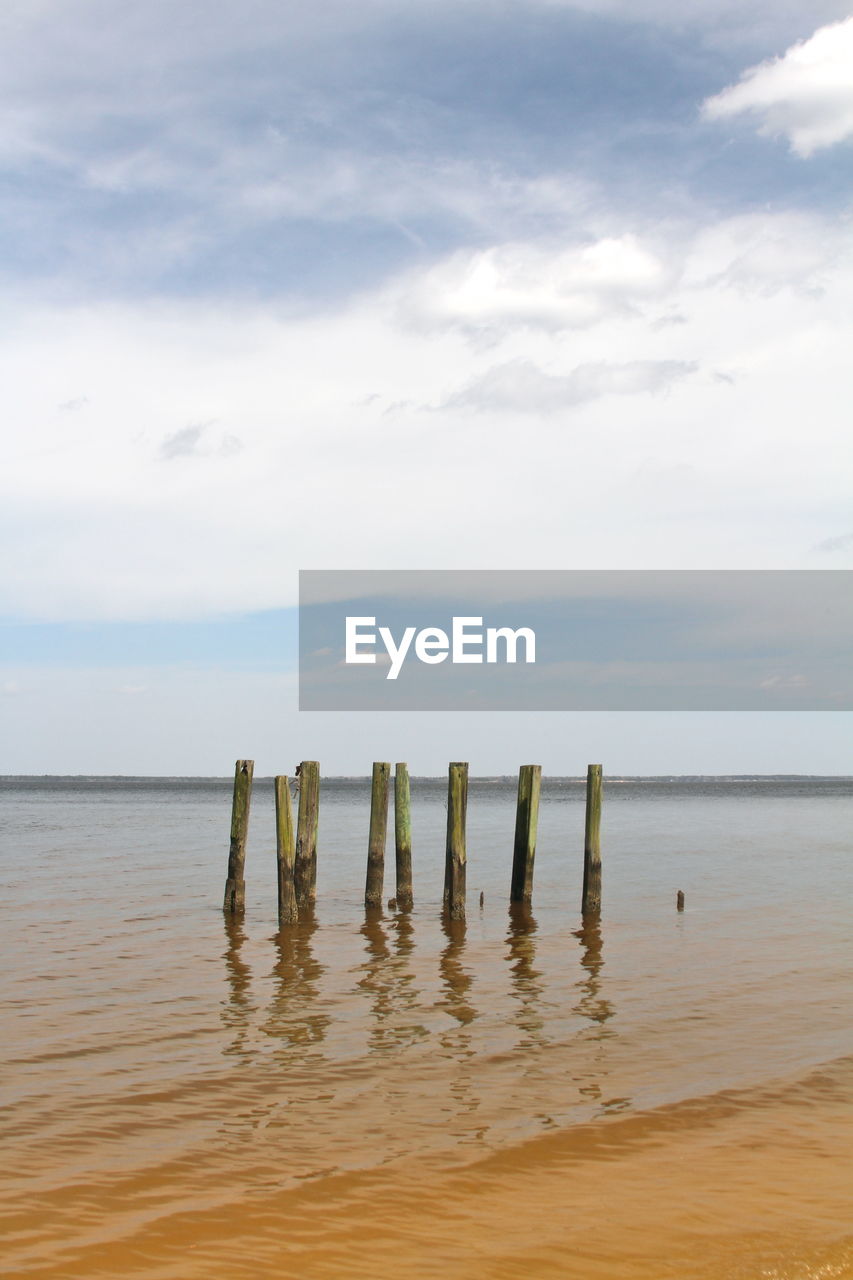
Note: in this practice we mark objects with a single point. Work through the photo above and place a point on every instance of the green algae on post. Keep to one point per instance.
(455, 855)
(377, 836)
(235, 885)
(305, 865)
(526, 820)
(591, 903)
(288, 911)
(403, 838)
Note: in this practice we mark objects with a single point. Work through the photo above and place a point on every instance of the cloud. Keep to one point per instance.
(805, 95)
(766, 255)
(541, 287)
(829, 545)
(195, 152)
(177, 150)
(782, 683)
(183, 443)
(97, 524)
(521, 387)
(189, 443)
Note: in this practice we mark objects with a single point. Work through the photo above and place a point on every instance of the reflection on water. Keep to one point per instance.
(405, 991)
(376, 980)
(456, 1041)
(237, 1011)
(294, 1016)
(526, 985)
(181, 1097)
(591, 1003)
(455, 977)
(595, 1007)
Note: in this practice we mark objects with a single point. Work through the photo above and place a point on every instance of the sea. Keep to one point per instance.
(655, 1093)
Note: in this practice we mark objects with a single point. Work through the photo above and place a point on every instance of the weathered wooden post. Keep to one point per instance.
(591, 904)
(305, 863)
(403, 837)
(455, 856)
(235, 885)
(378, 832)
(679, 900)
(288, 911)
(526, 819)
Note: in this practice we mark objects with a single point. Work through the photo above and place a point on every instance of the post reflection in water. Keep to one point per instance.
(526, 989)
(237, 1010)
(456, 1041)
(597, 1009)
(454, 975)
(295, 1016)
(591, 1003)
(404, 992)
(376, 978)
(404, 941)
(388, 979)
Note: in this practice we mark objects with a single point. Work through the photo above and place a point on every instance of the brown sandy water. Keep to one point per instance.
(661, 1095)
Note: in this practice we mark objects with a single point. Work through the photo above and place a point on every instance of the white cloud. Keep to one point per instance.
(843, 542)
(750, 473)
(522, 387)
(784, 682)
(805, 95)
(545, 288)
(766, 255)
(183, 443)
(195, 441)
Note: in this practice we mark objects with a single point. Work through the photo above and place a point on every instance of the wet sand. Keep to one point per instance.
(742, 1184)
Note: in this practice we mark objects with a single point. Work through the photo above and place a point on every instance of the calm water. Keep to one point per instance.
(665, 1094)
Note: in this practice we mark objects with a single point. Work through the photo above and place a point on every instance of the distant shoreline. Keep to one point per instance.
(612, 779)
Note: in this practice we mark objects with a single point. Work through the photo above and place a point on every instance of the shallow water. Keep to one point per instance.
(664, 1094)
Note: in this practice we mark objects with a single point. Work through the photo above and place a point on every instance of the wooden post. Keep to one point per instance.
(378, 831)
(288, 912)
(592, 843)
(455, 856)
(526, 819)
(403, 837)
(679, 900)
(305, 864)
(235, 885)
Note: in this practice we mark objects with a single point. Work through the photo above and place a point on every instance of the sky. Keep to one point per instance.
(506, 284)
